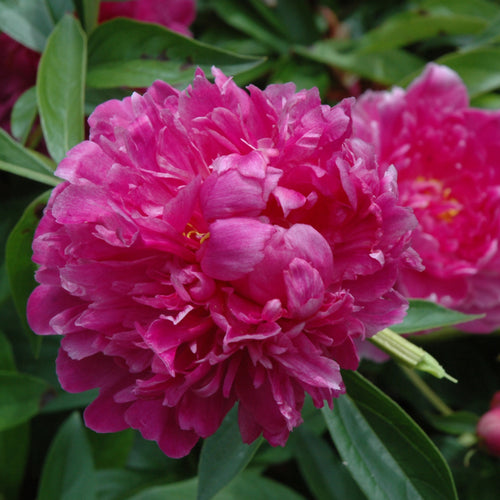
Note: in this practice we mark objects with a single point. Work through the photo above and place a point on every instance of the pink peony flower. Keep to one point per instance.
(214, 246)
(488, 427)
(176, 15)
(17, 74)
(448, 160)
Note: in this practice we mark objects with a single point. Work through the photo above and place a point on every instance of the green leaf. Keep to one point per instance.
(31, 22)
(297, 18)
(20, 398)
(410, 27)
(477, 474)
(110, 450)
(68, 472)
(138, 73)
(119, 484)
(386, 67)
(304, 74)
(183, 490)
(268, 455)
(88, 12)
(20, 267)
(483, 9)
(247, 486)
(292, 20)
(29, 173)
(458, 422)
(28, 22)
(146, 456)
(115, 47)
(14, 448)
(58, 8)
(23, 115)
(487, 37)
(424, 315)
(14, 442)
(313, 419)
(266, 29)
(94, 97)
(7, 362)
(19, 160)
(251, 486)
(486, 101)
(269, 13)
(326, 476)
(386, 452)
(4, 284)
(223, 457)
(64, 401)
(478, 68)
(60, 87)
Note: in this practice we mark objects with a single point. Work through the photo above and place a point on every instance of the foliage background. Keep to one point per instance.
(340, 47)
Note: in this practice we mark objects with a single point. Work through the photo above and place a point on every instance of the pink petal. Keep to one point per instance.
(234, 247)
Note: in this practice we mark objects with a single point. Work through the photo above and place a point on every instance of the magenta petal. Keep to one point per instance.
(260, 410)
(159, 423)
(250, 430)
(48, 303)
(236, 188)
(317, 371)
(304, 288)
(79, 167)
(309, 245)
(104, 414)
(234, 247)
(289, 199)
(179, 210)
(346, 354)
(442, 86)
(203, 414)
(80, 345)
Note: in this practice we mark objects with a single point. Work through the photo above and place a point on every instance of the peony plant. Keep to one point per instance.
(219, 251)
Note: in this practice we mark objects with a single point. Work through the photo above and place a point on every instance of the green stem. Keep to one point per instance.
(426, 391)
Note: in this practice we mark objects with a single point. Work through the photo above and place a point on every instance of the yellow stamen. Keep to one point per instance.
(448, 215)
(196, 235)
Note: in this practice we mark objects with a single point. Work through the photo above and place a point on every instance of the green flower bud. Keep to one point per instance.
(410, 355)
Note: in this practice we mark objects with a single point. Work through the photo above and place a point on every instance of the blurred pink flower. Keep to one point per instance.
(448, 160)
(488, 427)
(176, 15)
(214, 246)
(17, 74)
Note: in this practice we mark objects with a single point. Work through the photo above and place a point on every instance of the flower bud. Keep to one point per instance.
(410, 355)
(488, 431)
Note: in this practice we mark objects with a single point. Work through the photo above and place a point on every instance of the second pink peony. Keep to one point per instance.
(448, 159)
